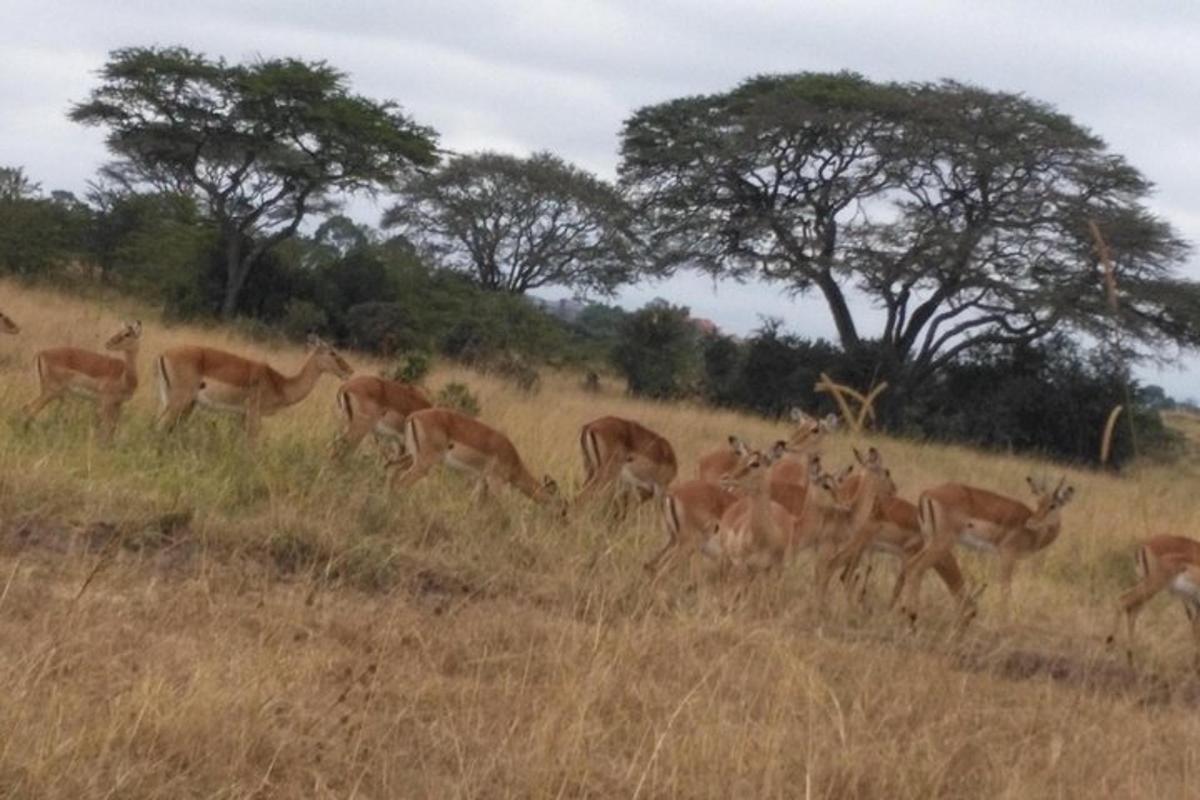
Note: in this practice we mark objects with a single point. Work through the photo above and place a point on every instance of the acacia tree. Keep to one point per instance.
(262, 145)
(516, 224)
(963, 213)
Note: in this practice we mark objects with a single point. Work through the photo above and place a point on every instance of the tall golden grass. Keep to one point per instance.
(313, 635)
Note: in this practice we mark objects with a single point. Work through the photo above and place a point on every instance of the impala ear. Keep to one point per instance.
(1037, 486)
(136, 327)
(859, 456)
(550, 485)
(737, 444)
(796, 415)
(874, 459)
(778, 449)
(1064, 495)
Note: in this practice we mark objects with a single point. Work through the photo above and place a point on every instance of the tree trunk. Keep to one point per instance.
(842, 318)
(236, 267)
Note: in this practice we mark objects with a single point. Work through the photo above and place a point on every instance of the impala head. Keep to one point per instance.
(749, 473)
(547, 493)
(808, 433)
(1049, 503)
(7, 325)
(126, 339)
(328, 359)
(873, 470)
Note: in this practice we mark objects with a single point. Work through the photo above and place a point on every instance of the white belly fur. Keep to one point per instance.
(1184, 585)
(973, 541)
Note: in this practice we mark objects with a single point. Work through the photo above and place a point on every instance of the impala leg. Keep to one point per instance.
(1193, 613)
(107, 416)
(418, 469)
(823, 571)
(347, 440)
(35, 406)
(914, 572)
(1130, 604)
(1008, 564)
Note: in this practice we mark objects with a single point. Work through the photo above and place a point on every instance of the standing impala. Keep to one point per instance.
(375, 405)
(1163, 562)
(626, 453)
(894, 529)
(984, 521)
(7, 325)
(105, 380)
(226, 382)
(436, 435)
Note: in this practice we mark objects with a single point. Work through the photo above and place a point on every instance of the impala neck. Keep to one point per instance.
(864, 503)
(131, 377)
(527, 485)
(299, 386)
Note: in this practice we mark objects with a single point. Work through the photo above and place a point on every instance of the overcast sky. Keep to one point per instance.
(523, 75)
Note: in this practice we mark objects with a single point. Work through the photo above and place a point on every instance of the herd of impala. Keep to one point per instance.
(748, 509)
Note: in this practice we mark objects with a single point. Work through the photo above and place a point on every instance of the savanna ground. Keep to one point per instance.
(192, 619)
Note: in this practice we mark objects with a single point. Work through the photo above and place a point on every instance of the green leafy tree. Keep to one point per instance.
(262, 145)
(516, 224)
(962, 213)
(38, 234)
(658, 351)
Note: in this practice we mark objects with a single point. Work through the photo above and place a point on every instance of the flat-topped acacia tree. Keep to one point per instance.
(962, 213)
(261, 145)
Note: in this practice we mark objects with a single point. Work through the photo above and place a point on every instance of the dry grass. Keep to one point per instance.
(309, 635)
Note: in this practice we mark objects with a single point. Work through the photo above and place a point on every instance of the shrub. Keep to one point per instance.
(413, 369)
(459, 397)
(301, 318)
(656, 351)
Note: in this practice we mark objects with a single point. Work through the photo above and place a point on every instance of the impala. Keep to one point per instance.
(894, 529)
(7, 325)
(755, 533)
(983, 521)
(1163, 562)
(105, 380)
(226, 382)
(691, 513)
(628, 454)
(375, 405)
(437, 435)
(850, 528)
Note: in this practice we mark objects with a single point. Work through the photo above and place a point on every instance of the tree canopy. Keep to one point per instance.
(962, 213)
(516, 224)
(262, 144)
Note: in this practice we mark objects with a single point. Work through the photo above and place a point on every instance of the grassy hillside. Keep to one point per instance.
(309, 634)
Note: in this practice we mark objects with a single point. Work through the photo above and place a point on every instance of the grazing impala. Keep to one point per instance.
(1163, 562)
(436, 435)
(375, 405)
(7, 325)
(621, 451)
(226, 382)
(107, 381)
(984, 521)
(895, 530)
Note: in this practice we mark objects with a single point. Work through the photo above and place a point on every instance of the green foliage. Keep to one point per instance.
(413, 369)
(459, 397)
(262, 145)
(515, 224)
(301, 318)
(38, 235)
(657, 352)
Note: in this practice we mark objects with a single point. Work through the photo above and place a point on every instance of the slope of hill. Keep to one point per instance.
(304, 632)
